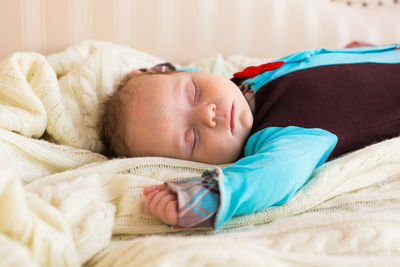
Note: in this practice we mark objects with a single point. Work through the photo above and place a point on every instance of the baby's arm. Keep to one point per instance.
(162, 203)
(278, 162)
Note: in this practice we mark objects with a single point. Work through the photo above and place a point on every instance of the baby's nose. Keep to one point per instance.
(209, 115)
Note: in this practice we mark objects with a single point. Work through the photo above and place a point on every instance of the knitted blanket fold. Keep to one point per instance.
(63, 204)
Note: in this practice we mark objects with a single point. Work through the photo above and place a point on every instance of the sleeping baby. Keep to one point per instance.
(276, 123)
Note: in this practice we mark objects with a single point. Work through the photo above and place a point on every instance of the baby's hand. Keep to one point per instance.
(162, 203)
(357, 44)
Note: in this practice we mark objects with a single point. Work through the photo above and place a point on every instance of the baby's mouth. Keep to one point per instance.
(232, 118)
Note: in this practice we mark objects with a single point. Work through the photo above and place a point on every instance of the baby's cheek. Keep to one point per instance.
(221, 150)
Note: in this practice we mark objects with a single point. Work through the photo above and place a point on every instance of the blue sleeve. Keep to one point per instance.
(277, 163)
(322, 57)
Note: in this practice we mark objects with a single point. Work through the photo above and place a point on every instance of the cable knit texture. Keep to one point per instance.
(63, 204)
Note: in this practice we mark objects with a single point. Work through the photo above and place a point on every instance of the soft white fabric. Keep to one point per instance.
(347, 215)
(64, 205)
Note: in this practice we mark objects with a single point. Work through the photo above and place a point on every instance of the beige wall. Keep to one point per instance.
(182, 30)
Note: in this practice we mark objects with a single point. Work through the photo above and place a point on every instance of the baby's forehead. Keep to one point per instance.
(144, 93)
(140, 79)
(146, 85)
(142, 83)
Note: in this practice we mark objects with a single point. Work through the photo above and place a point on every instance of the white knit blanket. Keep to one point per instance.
(62, 204)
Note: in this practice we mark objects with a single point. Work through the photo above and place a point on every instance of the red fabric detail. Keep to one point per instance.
(255, 70)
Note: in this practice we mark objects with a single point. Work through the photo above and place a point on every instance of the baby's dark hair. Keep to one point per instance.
(111, 124)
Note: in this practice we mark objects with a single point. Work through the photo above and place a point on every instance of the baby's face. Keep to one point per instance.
(186, 115)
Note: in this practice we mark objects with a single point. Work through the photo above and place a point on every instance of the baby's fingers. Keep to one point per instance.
(155, 202)
(167, 209)
(163, 205)
(171, 212)
(147, 190)
(149, 200)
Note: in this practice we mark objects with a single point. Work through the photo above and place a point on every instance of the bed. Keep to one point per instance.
(62, 203)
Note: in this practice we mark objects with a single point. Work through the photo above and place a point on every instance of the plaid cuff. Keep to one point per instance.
(198, 200)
